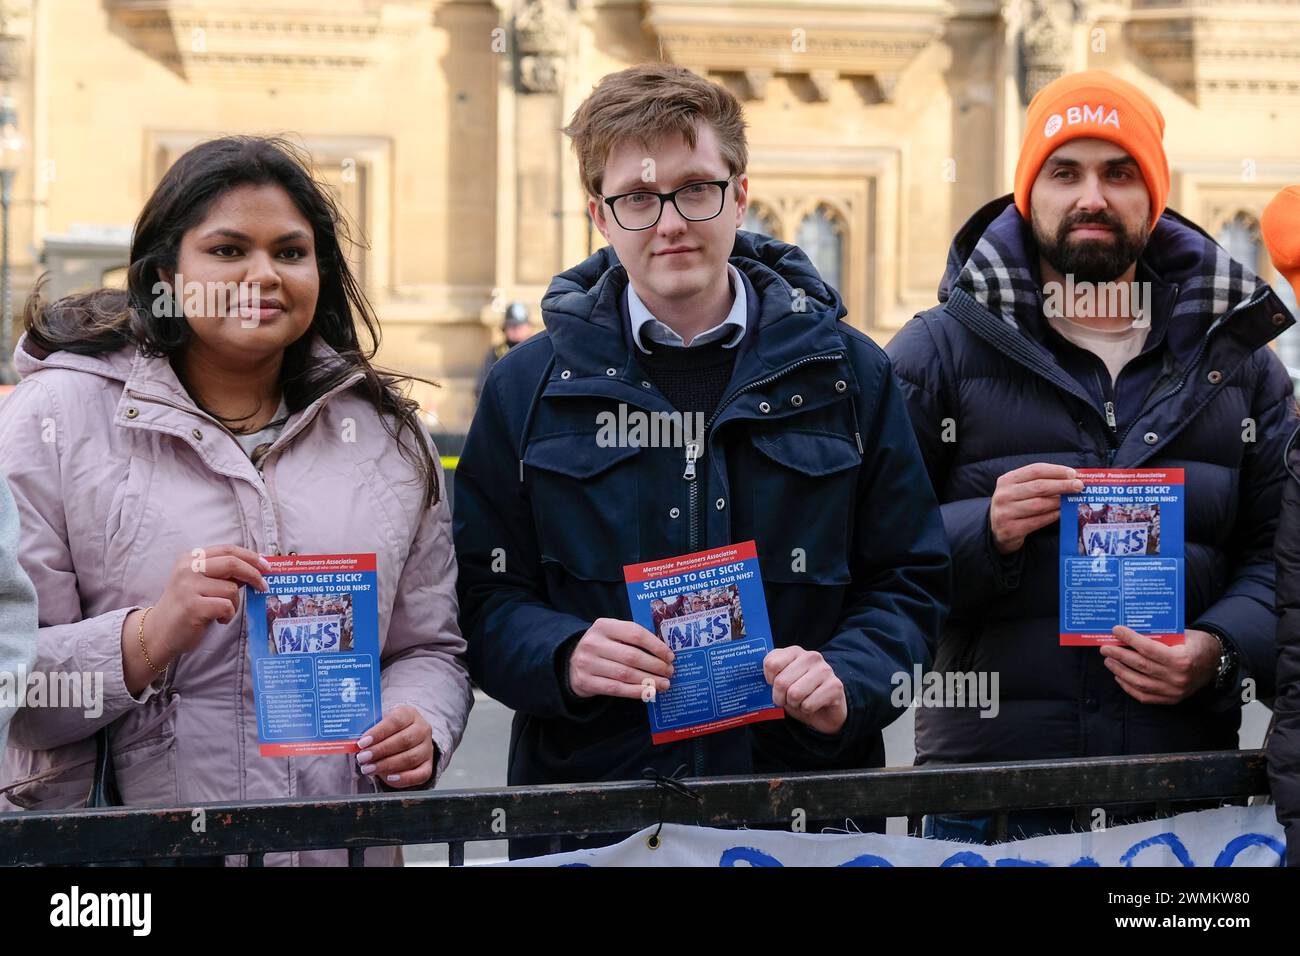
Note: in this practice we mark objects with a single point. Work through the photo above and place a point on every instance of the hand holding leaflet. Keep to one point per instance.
(708, 610)
(619, 659)
(1026, 500)
(806, 686)
(399, 749)
(1152, 672)
(314, 644)
(203, 587)
(1121, 557)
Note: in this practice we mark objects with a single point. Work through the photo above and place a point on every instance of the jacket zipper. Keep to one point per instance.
(1108, 406)
(693, 451)
(693, 496)
(695, 448)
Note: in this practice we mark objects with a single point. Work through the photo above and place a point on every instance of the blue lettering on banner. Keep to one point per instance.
(739, 855)
(697, 630)
(1116, 540)
(1237, 844)
(306, 637)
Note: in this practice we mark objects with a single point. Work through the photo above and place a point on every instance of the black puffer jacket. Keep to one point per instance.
(977, 365)
(1284, 741)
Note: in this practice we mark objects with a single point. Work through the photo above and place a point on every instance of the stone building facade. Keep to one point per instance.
(875, 129)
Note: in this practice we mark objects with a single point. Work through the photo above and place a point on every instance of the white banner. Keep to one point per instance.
(310, 634)
(697, 629)
(1228, 836)
(1116, 539)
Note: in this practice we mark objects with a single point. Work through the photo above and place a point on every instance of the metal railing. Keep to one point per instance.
(455, 817)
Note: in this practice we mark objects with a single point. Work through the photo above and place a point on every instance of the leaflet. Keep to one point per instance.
(708, 607)
(313, 640)
(1123, 564)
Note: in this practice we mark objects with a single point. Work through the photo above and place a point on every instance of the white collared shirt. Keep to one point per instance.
(658, 332)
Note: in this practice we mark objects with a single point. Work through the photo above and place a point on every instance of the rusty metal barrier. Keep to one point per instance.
(455, 817)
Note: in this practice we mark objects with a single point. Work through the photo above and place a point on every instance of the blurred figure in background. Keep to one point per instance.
(518, 327)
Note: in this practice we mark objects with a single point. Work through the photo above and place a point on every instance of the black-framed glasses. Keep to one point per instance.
(694, 202)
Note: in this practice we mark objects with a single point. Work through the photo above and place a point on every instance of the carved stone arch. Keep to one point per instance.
(1238, 231)
(823, 234)
(762, 217)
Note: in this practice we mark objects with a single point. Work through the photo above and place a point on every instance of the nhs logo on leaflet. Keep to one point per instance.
(1117, 539)
(306, 635)
(1081, 114)
(699, 629)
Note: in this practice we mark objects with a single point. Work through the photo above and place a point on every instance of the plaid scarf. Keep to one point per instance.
(1210, 282)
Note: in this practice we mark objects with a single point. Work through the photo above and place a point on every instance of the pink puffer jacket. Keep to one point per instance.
(117, 474)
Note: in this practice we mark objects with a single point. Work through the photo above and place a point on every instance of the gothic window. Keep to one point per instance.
(821, 236)
(760, 219)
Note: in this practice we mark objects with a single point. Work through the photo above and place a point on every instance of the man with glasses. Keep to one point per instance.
(791, 432)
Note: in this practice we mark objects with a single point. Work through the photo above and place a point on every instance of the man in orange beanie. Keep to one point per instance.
(1082, 324)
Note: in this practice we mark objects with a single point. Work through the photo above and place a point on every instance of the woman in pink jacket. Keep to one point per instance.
(223, 402)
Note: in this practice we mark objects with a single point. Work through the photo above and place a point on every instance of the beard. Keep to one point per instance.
(1091, 260)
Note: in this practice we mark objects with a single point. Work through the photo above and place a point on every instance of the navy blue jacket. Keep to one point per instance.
(1284, 741)
(979, 369)
(810, 453)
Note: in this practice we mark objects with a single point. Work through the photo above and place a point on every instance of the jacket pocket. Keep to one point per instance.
(802, 500)
(145, 759)
(585, 504)
(50, 780)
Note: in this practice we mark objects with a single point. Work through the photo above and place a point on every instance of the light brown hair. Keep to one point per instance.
(643, 103)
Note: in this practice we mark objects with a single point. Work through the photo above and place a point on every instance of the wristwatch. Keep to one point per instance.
(1227, 660)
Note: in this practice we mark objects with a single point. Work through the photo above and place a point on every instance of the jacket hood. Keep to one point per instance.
(144, 374)
(29, 358)
(796, 310)
(765, 260)
(993, 257)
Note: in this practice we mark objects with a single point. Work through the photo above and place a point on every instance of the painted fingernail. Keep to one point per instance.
(393, 777)
(364, 758)
(368, 769)
(365, 741)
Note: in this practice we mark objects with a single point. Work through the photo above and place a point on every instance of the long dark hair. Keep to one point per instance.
(109, 319)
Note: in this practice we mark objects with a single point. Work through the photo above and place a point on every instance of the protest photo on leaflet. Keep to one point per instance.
(308, 623)
(1118, 529)
(699, 618)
